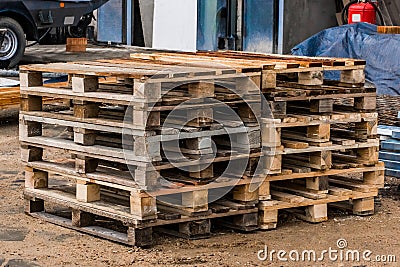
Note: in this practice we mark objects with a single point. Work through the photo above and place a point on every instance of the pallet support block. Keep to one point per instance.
(144, 148)
(31, 103)
(270, 135)
(140, 237)
(143, 117)
(268, 80)
(30, 153)
(249, 113)
(368, 154)
(375, 177)
(317, 213)
(84, 109)
(195, 229)
(30, 129)
(272, 164)
(353, 76)
(81, 218)
(244, 222)
(248, 140)
(278, 108)
(321, 131)
(321, 105)
(198, 143)
(264, 191)
(87, 192)
(311, 78)
(33, 205)
(365, 103)
(84, 137)
(204, 171)
(201, 89)
(146, 178)
(83, 84)
(143, 205)
(318, 183)
(366, 129)
(321, 160)
(30, 79)
(268, 217)
(151, 92)
(84, 164)
(195, 201)
(36, 179)
(243, 193)
(313, 214)
(364, 206)
(200, 117)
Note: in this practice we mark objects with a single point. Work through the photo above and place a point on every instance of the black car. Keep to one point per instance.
(22, 20)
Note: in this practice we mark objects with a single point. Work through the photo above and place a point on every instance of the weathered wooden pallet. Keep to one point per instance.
(312, 182)
(305, 71)
(313, 129)
(145, 156)
(314, 210)
(136, 230)
(147, 105)
(306, 158)
(322, 104)
(115, 222)
(304, 142)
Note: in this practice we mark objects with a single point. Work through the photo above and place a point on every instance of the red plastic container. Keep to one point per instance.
(362, 12)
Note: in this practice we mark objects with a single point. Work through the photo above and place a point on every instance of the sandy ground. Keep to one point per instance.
(25, 241)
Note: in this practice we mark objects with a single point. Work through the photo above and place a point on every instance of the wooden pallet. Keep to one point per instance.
(100, 125)
(114, 221)
(306, 142)
(312, 210)
(192, 199)
(317, 181)
(305, 71)
(115, 210)
(146, 159)
(281, 106)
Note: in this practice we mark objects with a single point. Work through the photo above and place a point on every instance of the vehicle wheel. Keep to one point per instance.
(13, 47)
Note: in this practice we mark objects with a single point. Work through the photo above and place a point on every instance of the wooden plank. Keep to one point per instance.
(388, 29)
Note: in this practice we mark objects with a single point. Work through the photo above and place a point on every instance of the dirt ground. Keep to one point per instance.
(25, 241)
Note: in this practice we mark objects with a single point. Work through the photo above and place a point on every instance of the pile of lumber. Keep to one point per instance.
(9, 97)
(390, 148)
(157, 142)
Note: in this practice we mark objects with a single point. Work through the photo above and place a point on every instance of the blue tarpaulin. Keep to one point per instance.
(360, 41)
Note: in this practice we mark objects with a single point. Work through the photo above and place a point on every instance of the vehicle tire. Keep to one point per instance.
(13, 47)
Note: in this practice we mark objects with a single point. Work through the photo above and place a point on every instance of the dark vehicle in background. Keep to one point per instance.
(25, 20)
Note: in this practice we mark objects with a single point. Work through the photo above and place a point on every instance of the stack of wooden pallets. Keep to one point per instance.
(320, 146)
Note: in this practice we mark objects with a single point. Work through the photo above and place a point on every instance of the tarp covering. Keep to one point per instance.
(360, 41)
